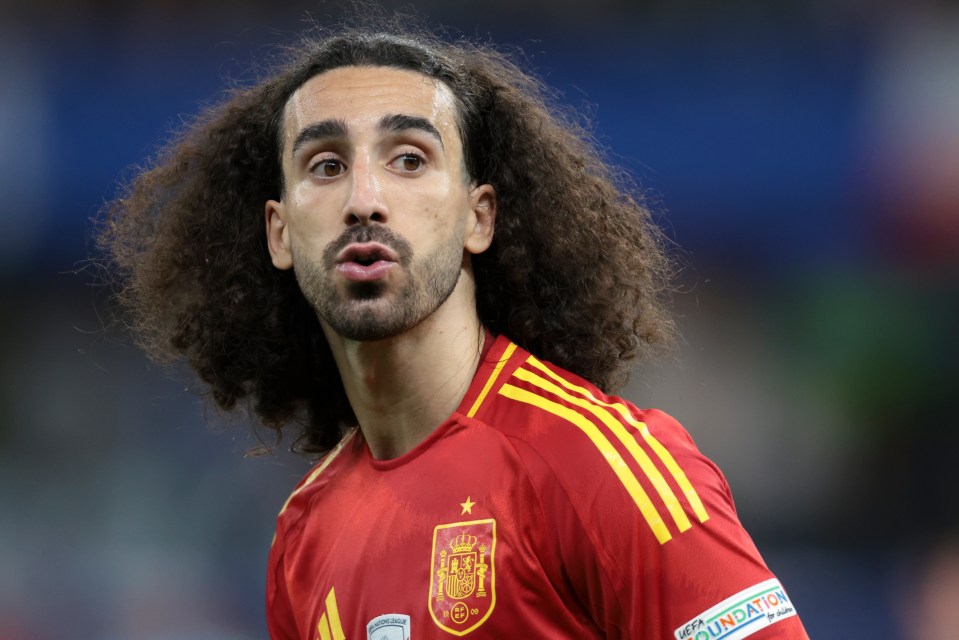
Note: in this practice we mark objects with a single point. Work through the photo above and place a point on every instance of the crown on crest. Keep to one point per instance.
(462, 542)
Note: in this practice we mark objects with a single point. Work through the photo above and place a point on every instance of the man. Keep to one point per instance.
(448, 277)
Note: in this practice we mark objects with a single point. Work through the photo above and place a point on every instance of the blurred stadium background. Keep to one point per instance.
(805, 156)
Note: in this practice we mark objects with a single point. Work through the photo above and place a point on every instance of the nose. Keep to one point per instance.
(365, 204)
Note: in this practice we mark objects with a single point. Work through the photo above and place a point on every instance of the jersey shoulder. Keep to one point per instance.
(313, 482)
(601, 450)
(644, 523)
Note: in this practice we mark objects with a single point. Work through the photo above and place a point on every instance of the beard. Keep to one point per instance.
(368, 311)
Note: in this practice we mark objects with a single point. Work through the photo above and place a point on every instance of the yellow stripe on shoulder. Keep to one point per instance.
(606, 448)
(661, 452)
(628, 441)
(510, 348)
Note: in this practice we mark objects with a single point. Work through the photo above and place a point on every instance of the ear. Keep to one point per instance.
(479, 234)
(278, 235)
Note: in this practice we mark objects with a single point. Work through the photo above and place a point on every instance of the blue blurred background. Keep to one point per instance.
(805, 156)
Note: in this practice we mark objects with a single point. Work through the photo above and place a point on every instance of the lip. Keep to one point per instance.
(380, 258)
(366, 251)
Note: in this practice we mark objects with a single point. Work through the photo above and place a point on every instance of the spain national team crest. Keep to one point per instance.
(463, 580)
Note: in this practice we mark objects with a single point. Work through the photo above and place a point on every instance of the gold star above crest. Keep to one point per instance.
(467, 506)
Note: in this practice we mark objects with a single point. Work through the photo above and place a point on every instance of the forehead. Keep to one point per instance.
(361, 96)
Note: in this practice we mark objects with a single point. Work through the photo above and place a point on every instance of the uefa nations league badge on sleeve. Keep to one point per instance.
(391, 626)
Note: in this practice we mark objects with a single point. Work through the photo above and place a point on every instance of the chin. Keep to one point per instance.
(370, 320)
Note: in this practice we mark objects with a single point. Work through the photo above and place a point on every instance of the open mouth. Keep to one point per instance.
(365, 262)
(366, 254)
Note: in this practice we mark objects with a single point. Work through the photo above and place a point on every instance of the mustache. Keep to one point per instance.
(372, 233)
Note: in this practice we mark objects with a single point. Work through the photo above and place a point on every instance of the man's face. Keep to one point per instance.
(378, 215)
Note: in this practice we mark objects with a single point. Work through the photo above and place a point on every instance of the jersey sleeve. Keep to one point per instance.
(279, 612)
(649, 537)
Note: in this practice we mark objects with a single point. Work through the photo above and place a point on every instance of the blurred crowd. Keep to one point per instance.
(804, 157)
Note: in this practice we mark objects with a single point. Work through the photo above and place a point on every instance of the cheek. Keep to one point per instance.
(442, 221)
(303, 198)
(445, 207)
(311, 216)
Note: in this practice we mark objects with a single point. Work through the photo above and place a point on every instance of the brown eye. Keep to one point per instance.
(329, 168)
(408, 162)
(411, 162)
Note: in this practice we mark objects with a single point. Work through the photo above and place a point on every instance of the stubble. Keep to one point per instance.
(368, 311)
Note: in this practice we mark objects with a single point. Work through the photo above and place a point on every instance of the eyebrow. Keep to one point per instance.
(335, 128)
(319, 131)
(400, 122)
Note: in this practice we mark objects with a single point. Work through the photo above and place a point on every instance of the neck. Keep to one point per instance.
(402, 388)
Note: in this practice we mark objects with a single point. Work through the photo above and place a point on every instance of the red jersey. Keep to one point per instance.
(541, 509)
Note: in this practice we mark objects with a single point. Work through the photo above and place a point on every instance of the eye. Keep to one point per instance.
(409, 162)
(328, 168)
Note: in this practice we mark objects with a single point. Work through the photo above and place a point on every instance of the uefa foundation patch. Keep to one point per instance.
(741, 615)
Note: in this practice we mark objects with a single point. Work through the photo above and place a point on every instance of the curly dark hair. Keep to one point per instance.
(576, 273)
